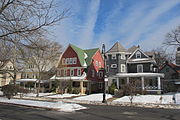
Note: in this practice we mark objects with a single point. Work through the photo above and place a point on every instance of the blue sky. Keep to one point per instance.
(131, 22)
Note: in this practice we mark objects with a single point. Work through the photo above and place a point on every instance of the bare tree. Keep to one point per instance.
(161, 56)
(42, 57)
(27, 18)
(173, 38)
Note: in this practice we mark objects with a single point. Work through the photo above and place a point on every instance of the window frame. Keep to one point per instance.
(140, 65)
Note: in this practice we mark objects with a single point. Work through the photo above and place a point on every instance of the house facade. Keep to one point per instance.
(82, 67)
(125, 66)
(6, 72)
(171, 81)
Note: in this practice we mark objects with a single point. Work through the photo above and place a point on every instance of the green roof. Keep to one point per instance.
(80, 54)
(90, 53)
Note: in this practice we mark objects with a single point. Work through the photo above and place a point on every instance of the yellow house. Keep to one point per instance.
(6, 72)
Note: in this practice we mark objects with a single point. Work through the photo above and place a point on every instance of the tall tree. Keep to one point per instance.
(43, 57)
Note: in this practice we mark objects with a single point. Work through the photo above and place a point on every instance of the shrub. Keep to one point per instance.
(12, 90)
(112, 88)
(118, 93)
(76, 91)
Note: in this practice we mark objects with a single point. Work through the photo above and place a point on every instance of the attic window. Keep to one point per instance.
(74, 60)
(113, 57)
(138, 54)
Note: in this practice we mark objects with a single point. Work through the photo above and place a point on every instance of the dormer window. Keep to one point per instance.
(138, 54)
(113, 57)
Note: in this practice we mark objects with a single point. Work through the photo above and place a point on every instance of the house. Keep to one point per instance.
(31, 77)
(171, 81)
(82, 67)
(124, 66)
(6, 72)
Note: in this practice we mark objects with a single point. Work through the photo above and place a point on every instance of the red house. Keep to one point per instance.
(83, 68)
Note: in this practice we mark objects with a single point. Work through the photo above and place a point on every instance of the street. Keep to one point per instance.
(94, 112)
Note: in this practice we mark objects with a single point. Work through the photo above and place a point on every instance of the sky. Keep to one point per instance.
(129, 22)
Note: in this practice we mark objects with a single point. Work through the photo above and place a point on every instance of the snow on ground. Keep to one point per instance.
(157, 99)
(93, 97)
(40, 94)
(61, 106)
(62, 95)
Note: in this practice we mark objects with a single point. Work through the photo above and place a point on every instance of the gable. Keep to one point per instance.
(90, 53)
(138, 54)
(69, 53)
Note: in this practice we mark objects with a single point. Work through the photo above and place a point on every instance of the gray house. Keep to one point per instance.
(124, 66)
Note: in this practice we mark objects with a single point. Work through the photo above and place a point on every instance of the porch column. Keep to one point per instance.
(159, 83)
(81, 87)
(142, 83)
(127, 80)
(117, 79)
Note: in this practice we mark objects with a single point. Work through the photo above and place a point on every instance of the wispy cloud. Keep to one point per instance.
(87, 33)
(130, 22)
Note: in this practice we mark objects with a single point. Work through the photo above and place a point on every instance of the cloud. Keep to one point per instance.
(87, 34)
(148, 20)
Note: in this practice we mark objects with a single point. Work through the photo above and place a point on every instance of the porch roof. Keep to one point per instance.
(139, 75)
(70, 77)
(31, 80)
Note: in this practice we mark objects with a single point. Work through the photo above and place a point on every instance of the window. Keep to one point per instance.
(59, 72)
(96, 63)
(72, 72)
(139, 68)
(138, 54)
(113, 65)
(107, 68)
(93, 73)
(67, 60)
(123, 57)
(151, 67)
(100, 74)
(74, 60)
(100, 85)
(79, 72)
(70, 60)
(113, 57)
(123, 68)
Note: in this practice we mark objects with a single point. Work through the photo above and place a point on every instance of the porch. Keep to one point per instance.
(150, 82)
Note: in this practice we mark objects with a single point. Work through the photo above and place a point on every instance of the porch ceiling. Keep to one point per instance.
(139, 75)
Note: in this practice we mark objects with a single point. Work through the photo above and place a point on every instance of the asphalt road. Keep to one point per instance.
(11, 112)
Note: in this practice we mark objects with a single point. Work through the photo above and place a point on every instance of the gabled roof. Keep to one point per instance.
(3, 63)
(175, 67)
(90, 53)
(132, 49)
(80, 53)
(117, 47)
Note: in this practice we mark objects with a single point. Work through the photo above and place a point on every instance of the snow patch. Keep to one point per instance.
(62, 95)
(61, 106)
(94, 97)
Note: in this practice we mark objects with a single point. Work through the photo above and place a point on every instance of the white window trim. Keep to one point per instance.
(100, 74)
(113, 65)
(74, 60)
(113, 57)
(78, 73)
(70, 61)
(138, 53)
(71, 72)
(123, 65)
(97, 63)
(140, 65)
(123, 57)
